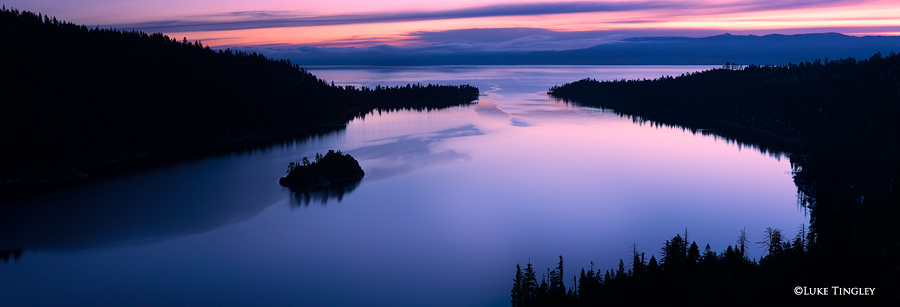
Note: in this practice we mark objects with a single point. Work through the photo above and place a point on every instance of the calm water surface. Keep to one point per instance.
(451, 202)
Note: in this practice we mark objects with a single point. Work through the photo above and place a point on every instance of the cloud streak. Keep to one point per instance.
(519, 26)
(280, 19)
(474, 41)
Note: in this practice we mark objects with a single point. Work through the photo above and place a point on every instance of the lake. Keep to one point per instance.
(452, 200)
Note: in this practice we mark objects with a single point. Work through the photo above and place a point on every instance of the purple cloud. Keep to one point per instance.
(265, 19)
(272, 19)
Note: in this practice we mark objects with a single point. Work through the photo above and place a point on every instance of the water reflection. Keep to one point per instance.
(757, 140)
(462, 187)
(488, 108)
(303, 199)
(401, 155)
(519, 122)
(15, 254)
(148, 207)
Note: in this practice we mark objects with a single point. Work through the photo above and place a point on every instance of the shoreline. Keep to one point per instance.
(149, 160)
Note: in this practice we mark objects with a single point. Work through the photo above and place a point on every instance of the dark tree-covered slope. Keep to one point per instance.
(794, 101)
(843, 118)
(72, 97)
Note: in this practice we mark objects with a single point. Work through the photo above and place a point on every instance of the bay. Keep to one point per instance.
(452, 200)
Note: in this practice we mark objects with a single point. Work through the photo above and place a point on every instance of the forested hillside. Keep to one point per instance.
(842, 117)
(74, 97)
(794, 101)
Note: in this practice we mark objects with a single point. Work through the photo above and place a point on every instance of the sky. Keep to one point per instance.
(489, 25)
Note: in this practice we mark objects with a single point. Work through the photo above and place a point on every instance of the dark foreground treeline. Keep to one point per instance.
(684, 275)
(842, 116)
(74, 97)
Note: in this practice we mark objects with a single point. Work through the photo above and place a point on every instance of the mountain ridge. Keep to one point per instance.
(775, 49)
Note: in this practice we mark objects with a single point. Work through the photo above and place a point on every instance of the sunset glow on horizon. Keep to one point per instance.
(354, 23)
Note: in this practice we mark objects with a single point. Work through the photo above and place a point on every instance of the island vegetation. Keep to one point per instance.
(82, 102)
(334, 169)
(839, 116)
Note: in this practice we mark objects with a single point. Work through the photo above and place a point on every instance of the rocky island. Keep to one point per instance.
(331, 170)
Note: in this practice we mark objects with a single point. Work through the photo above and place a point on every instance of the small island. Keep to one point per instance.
(331, 170)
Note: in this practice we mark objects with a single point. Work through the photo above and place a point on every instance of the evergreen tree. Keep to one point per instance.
(518, 292)
(693, 255)
(674, 253)
(620, 273)
(529, 286)
(637, 263)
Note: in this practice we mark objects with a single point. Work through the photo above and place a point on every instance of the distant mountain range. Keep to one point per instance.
(716, 50)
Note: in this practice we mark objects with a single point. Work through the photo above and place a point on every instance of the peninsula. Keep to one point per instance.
(82, 103)
(841, 118)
